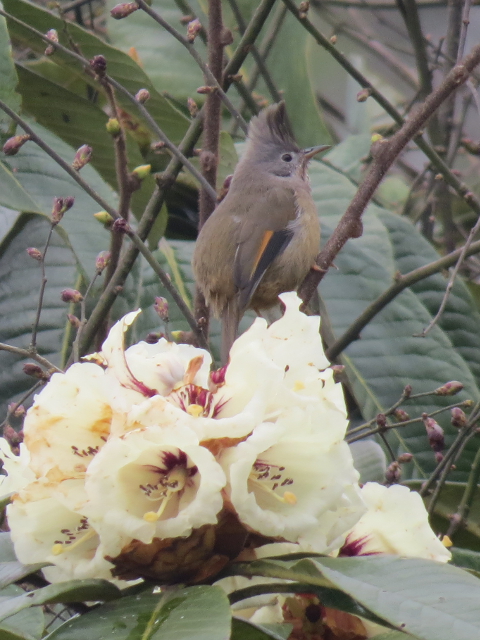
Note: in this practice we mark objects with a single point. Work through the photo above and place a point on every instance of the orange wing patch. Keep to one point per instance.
(263, 245)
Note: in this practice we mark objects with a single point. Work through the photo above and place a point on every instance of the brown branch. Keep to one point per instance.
(30, 353)
(384, 153)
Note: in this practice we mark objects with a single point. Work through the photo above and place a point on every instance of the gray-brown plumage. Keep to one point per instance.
(263, 237)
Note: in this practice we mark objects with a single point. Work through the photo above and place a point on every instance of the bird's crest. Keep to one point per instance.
(273, 125)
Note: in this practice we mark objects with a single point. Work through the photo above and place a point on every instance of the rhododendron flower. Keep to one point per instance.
(19, 473)
(396, 522)
(288, 479)
(68, 423)
(155, 482)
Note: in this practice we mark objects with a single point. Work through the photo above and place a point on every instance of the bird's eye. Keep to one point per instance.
(287, 157)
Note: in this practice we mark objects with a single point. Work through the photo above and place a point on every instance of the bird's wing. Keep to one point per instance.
(261, 238)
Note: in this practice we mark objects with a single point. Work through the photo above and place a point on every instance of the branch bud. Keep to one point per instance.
(381, 421)
(401, 415)
(363, 95)
(206, 89)
(226, 37)
(60, 206)
(13, 145)
(142, 96)
(74, 321)
(35, 371)
(193, 29)
(123, 10)
(192, 107)
(52, 35)
(404, 458)
(458, 418)
(104, 217)
(449, 388)
(121, 226)
(17, 411)
(102, 260)
(338, 370)
(407, 391)
(71, 295)
(161, 307)
(153, 337)
(99, 65)
(393, 473)
(435, 435)
(333, 39)
(142, 171)
(35, 253)
(82, 157)
(113, 127)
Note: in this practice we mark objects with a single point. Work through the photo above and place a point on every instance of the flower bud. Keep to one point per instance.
(449, 388)
(438, 457)
(471, 146)
(14, 438)
(333, 39)
(52, 35)
(206, 89)
(123, 10)
(381, 421)
(401, 415)
(71, 295)
(74, 321)
(99, 65)
(193, 29)
(102, 260)
(82, 157)
(226, 37)
(113, 127)
(142, 171)
(363, 95)
(338, 370)
(404, 458)
(459, 419)
(35, 371)
(407, 392)
(434, 433)
(17, 411)
(161, 307)
(218, 376)
(103, 217)
(393, 473)
(142, 96)
(60, 206)
(13, 145)
(153, 337)
(35, 253)
(192, 107)
(376, 137)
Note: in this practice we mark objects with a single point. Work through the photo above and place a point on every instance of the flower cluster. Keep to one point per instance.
(143, 462)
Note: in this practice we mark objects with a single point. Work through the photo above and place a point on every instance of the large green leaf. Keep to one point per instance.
(19, 286)
(43, 179)
(12, 194)
(69, 591)
(8, 78)
(120, 65)
(427, 599)
(167, 63)
(195, 613)
(28, 623)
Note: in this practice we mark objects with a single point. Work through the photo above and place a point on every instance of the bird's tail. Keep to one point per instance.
(230, 322)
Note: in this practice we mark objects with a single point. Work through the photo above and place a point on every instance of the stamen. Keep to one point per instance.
(287, 498)
(62, 547)
(173, 482)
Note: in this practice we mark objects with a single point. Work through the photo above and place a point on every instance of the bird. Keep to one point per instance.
(263, 237)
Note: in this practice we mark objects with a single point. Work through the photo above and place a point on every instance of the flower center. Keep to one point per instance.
(196, 401)
(268, 478)
(74, 539)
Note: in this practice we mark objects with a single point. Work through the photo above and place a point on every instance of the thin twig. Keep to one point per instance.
(27, 353)
(209, 74)
(383, 157)
(142, 248)
(20, 401)
(409, 12)
(43, 284)
(460, 517)
(83, 318)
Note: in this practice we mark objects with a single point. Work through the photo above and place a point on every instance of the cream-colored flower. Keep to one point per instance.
(17, 468)
(47, 525)
(293, 479)
(152, 483)
(396, 523)
(68, 423)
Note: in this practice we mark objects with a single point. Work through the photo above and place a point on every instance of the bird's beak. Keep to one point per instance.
(312, 151)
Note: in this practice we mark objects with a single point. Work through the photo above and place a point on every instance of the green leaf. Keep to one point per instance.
(246, 630)
(12, 194)
(69, 591)
(466, 559)
(194, 613)
(43, 179)
(11, 570)
(369, 460)
(27, 624)
(8, 77)
(19, 286)
(120, 65)
(167, 63)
